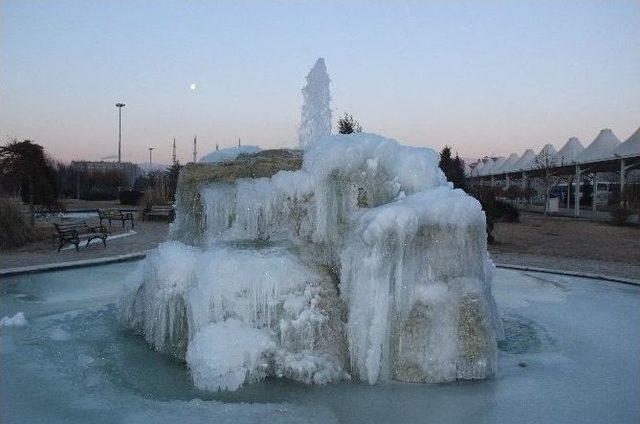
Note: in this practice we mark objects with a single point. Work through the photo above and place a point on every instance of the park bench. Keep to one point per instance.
(159, 212)
(71, 232)
(115, 215)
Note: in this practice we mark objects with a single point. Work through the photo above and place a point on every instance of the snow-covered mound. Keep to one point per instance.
(228, 154)
(365, 262)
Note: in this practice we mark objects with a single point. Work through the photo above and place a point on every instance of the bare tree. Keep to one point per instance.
(546, 163)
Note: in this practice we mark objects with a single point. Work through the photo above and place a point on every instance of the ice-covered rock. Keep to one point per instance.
(18, 320)
(361, 260)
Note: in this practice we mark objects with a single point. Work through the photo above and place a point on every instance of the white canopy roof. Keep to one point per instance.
(569, 152)
(545, 157)
(497, 164)
(487, 165)
(601, 148)
(476, 169)
(508, 163)
(526, 161)
(467, 169)
(631, 147)
(548, 149)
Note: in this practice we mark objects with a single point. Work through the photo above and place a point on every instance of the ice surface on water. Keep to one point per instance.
(365, 216)
(104, 374)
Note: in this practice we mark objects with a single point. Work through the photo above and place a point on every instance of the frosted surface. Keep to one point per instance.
(577, 338)
(364, 264)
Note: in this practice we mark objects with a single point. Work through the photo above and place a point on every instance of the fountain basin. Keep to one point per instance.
(570, 355)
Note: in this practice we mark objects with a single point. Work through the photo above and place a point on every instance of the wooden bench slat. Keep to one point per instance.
(72, 231)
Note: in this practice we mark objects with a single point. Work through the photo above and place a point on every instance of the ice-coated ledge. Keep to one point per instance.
(359, 261)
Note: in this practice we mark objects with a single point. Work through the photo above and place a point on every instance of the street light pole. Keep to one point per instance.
(120, 106)
(150, 150)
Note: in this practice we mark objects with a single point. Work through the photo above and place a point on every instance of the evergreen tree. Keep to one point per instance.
(25, 165)
(171, 177)
(348, 125)
(453, 169)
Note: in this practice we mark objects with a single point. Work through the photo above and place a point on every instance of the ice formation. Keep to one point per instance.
(18, 320)
(361, 262)
(316, 110)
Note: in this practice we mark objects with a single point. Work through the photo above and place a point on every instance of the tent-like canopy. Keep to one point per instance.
(476, 169)
(508, 163)
(487, 165)
(601, 148)
(567, 155)
(526, 161)
(497, 163)
(631, 147)
(546, 155)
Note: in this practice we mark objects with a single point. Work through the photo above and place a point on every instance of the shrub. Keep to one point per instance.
(506, 212)
(513, 193)
(155, 196)
(620, 214)
(13, 227)
(130, 197)
(495, 209)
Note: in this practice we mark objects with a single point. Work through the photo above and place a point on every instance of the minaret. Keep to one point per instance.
(195, 150)
(174, 150)
(238, 141)
(216, 147)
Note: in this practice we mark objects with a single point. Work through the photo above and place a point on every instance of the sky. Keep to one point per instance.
(486, 78)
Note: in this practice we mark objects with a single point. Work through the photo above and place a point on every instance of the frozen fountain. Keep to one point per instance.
(354, 258)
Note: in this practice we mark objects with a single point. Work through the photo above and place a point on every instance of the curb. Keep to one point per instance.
(141, 255)
(594, 276)
(7, 272)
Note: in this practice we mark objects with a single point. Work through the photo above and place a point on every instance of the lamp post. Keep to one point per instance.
(120, 106)
(150, 150)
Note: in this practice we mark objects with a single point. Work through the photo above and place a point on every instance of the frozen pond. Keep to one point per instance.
(571, 355)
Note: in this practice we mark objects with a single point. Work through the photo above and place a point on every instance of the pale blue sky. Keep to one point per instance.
(484, 77)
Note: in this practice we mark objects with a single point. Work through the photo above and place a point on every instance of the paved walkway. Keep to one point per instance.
(582, 265)
(148, 236)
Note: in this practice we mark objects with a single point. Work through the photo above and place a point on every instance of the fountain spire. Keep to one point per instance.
(316, 109)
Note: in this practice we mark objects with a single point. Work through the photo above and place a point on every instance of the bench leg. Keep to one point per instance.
(64, 242)
(132, 226)
(77, 243)
(104, 242)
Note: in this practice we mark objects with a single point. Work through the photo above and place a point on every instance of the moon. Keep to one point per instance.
(192, 87)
